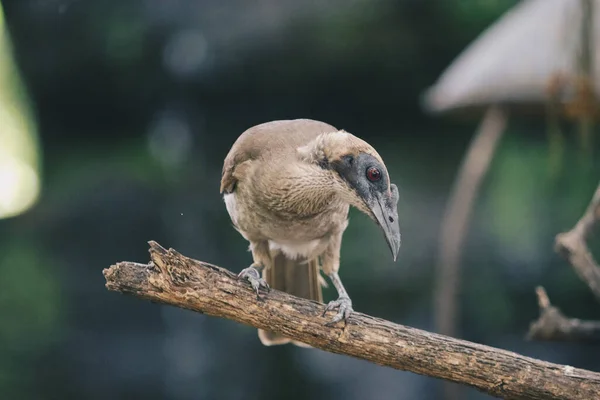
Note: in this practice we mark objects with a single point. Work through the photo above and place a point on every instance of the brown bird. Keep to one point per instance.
(287, 187)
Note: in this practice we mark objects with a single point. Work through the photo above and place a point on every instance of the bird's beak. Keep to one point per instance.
(385, 210)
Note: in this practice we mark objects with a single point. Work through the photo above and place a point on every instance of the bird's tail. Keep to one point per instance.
(297, 277)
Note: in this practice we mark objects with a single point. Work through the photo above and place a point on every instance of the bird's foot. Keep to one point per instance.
(253, 276)
(344, 306)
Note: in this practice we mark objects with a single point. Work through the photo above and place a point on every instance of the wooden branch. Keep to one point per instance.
(170, 278)
(572, 246)
(553, 325)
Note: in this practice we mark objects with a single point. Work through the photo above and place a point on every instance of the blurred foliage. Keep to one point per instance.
(472, 12)
(514, 197)
(137, 104)
(30, 308)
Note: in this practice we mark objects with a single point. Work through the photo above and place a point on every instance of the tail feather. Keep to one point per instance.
(297, 277)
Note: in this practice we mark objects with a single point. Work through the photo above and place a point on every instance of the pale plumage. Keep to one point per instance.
(287, 187)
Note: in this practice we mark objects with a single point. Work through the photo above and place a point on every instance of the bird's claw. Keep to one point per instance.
(344, 306)
(252, 275)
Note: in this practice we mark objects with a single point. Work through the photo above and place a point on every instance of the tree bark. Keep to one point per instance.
(173, 279)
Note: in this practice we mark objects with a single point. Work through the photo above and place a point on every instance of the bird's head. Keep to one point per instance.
(363, 179)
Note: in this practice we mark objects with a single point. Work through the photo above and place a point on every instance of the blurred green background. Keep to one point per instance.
(125, 111)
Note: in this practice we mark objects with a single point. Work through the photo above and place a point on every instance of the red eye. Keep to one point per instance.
(373, 174)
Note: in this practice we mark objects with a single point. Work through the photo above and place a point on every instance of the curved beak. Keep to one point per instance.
(385, 210)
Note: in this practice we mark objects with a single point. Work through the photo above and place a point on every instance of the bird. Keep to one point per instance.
(287, 186)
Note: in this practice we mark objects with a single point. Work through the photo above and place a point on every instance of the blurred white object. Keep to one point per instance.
(19, 152)
(514, 60)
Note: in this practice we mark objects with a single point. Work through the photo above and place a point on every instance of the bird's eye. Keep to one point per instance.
(373, 174)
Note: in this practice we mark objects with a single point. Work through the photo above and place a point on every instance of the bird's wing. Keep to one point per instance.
(260, 141)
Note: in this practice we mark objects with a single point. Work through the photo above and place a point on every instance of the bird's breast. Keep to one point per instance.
(300, 249)
(296, 237)
(231, 206)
